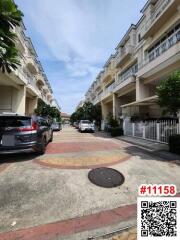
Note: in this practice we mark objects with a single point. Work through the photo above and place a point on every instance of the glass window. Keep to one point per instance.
(15, 121)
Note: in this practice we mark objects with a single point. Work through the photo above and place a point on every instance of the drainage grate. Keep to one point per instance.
(106, 177)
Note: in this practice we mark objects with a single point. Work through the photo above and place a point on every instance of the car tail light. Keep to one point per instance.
(34, 126)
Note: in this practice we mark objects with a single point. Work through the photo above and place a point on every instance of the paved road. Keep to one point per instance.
(50, 197)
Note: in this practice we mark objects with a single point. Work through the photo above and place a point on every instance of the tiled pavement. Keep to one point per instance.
(50, 197)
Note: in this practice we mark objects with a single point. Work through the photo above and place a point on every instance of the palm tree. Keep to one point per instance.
(10, 17)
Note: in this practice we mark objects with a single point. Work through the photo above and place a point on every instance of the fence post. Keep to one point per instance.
(158, 131)
(133, 129)
(102, 125)
(178, 128)
(144, 131)
(124, 127)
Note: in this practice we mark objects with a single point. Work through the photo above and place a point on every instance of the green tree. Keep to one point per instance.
(46, 110)
(10, 17)
(87, 112)
(168, 93)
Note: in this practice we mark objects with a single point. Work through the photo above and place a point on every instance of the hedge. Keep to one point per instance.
(116, 131)
(174, 143)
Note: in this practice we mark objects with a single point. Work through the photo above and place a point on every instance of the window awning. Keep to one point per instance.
(144, 102)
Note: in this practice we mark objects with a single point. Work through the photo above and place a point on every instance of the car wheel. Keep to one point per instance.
(51, 139)
(41, 150)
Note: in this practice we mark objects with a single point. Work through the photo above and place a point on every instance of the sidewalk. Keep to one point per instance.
(159, 149)
(151, 145)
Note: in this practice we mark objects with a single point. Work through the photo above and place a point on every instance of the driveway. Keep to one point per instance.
(50, 196)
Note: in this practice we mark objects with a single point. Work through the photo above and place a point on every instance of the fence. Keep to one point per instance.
(152, 130)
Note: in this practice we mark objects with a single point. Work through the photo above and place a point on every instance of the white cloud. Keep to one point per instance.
(81, 34)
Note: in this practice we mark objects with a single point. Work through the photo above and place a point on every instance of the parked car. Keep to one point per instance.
(86, 125)
(76, 124)
(19, 133)
(56, 126)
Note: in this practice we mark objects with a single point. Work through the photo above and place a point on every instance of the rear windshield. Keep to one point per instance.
(85, 121)
(15, 121)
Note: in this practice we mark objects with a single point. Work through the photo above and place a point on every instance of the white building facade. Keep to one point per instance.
(21, 89)
(148, 53)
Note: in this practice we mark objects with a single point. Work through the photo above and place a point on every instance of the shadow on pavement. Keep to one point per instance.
(144, 154)
(17, 157)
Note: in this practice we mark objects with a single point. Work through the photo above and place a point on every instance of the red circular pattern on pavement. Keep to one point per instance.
(55, 148)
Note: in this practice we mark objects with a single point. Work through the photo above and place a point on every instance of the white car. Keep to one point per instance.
(86, 125)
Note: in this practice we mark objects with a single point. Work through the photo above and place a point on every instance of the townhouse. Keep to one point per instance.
(148, 53)
(21, 89)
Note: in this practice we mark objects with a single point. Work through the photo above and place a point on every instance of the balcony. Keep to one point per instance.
(40, 80)
(97, 85)
(45, 90)
(124, 82)
(31, 86)
(107, 75)
(43, 97)
(108, 91)
(163, 10)
(97, 99)
(123, 55)
(159, 57)
(31, 63)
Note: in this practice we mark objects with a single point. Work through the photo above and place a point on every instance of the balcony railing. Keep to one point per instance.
(127, 50)
(163, 47)
(131, 72)
(98, 84)
(97, 99)
(32, 82)
(108, 90)
(160, 7)
(124, 78)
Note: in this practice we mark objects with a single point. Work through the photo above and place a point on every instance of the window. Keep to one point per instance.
(15, 121)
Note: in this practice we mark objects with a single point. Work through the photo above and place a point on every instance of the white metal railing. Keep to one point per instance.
(129, 73)
(163, 47)
(152, 130)
(109, 89)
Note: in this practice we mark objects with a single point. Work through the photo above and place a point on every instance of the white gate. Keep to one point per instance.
(152, 130)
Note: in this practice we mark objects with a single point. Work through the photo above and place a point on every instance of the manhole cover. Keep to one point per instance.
(106, 177)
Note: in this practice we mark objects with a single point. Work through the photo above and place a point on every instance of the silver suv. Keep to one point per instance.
(86, 125)
(19, 133)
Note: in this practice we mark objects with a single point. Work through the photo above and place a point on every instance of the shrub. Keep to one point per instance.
(116, 131)
(174, 143)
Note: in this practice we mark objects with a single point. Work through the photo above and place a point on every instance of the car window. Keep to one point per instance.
(42, 122)
(85, 121)
(14, 121)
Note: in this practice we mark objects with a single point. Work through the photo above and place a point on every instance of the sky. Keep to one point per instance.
(74, 39)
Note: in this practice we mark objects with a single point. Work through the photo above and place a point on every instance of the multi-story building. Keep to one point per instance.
(80, 104)
(148, 53)
(54, 103)
(21, 89)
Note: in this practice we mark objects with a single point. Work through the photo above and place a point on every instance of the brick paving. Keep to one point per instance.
(83, 160)
(68, 227)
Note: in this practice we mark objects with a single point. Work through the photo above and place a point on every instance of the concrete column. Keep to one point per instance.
(32, 105)
(116, 106)
(141, 90)
(19, 100)
(104, 110)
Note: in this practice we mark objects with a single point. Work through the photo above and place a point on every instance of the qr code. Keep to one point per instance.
(159, 218)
